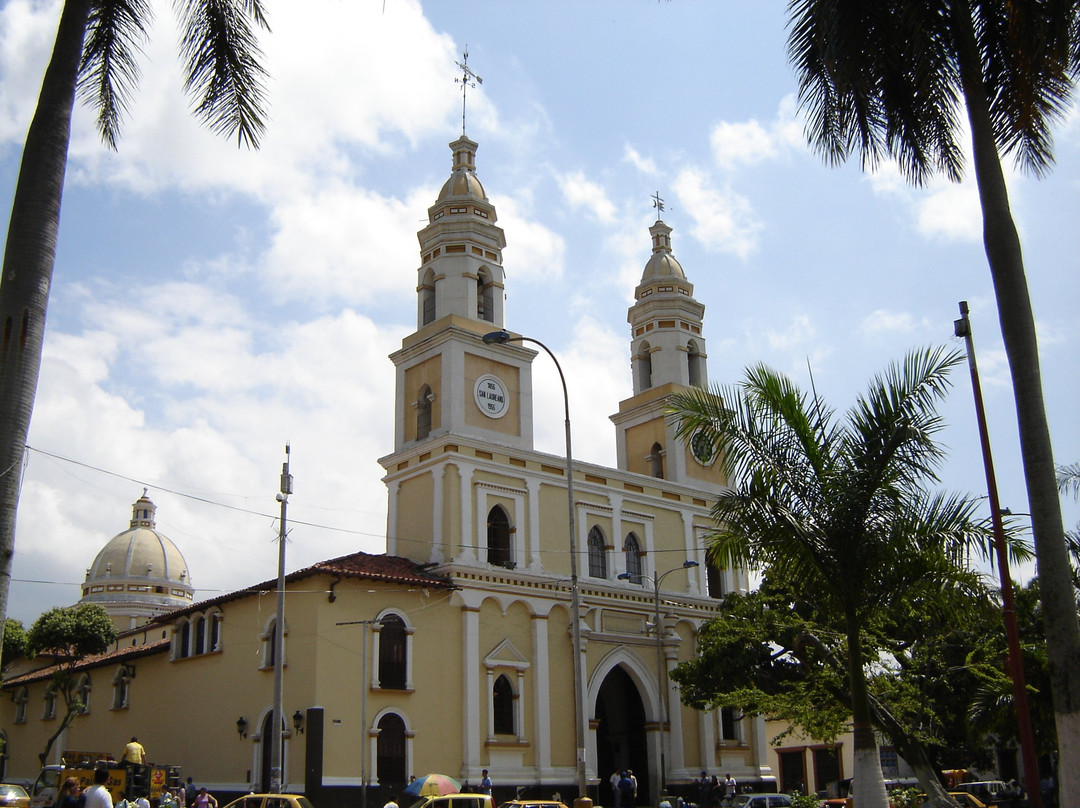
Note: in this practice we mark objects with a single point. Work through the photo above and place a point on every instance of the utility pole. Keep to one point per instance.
(1015, 666)
(284, 490)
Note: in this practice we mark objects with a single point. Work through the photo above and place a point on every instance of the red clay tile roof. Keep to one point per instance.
(382, 567)
(116, 655)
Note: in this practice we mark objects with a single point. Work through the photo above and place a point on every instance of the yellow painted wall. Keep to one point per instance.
(428, 372)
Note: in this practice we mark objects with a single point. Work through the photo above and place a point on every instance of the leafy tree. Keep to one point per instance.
(95, 53)
(839, 506)
(887, 79)
(69, 635)
(14, 640)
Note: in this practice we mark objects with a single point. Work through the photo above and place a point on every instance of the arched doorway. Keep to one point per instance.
(620, 734)
(267, 746)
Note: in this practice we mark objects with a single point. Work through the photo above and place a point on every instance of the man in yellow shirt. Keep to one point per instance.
(134, 752)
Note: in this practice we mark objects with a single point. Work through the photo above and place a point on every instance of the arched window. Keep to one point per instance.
(645, 366)
(390, 759)
(427, 298)
(485, 297)
(269, 647)
(215, 631)
(184, 645)
(392, 648)
(498, 537)
(49, 710)
(82, 694)
(121, 688)
(695, 364)
(632, 556)
(423, 412)
(597, 553)
(502, 705)
(656, 461)
(22, 696)
(198, 630)
(714, 578)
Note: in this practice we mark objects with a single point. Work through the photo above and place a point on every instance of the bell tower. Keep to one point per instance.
(448, 381)
(667, 354)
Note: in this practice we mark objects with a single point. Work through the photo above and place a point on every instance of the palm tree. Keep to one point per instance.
(94, 54)
(887, 79)
(838, 507)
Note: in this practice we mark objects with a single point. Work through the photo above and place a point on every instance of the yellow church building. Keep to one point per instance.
(455, 652)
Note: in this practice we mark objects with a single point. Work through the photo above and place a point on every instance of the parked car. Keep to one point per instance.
(533, 804)
(456, 801)
(271, 801)
(13, 796)
(761, 801)
(963, 799)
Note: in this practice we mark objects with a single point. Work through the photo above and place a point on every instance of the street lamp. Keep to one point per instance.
(501, 338)
(661, 678)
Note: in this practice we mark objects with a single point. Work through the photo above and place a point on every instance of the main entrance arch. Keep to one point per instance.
(620, 734)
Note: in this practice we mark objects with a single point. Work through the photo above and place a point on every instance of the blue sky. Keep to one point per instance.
(211, 304)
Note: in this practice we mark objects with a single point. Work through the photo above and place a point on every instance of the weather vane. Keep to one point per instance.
(658, 203)
(468, 79)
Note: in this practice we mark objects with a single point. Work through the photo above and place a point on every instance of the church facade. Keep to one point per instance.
(455, 652)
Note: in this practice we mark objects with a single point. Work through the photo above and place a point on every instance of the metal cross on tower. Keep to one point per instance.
(657, 203)
(468, 79)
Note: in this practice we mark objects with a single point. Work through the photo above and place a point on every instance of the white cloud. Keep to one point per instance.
(646, 165)
(583, 193)
(536, 253)
(741, 143)
(724, 220)
(884, 322)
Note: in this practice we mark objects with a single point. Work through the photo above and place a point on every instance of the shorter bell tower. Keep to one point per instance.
(667, 355)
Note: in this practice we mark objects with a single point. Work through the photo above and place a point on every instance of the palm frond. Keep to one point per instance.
(222, 65)
(109, 72)
(1068, 479)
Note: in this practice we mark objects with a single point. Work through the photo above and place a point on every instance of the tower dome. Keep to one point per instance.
(139, 573)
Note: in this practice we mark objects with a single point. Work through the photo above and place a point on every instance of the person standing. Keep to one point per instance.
(70, 795)
(729, 789)
(204, 799)
(626, 790)
(615, 778)
(704, 787)
(97, 796)
(633, 783)
(190, 792)
(133, 752)
(485, 783)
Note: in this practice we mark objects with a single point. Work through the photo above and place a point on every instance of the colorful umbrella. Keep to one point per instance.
(433, 785)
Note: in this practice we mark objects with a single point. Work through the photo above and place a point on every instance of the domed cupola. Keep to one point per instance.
(140, 573)
(662, 264)
(461, 272)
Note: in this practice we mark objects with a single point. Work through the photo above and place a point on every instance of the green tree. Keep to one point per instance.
(95, 54)
(14, 640)
(69, 635)
(888, 79)
(838, 506)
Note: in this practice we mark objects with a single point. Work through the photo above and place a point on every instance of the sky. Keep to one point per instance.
(211, 304)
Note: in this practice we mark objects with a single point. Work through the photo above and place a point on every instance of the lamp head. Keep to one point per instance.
(688, 564)
(624, 576)
(497, 337)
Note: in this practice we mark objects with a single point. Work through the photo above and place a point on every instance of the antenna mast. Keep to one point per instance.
(468, 79)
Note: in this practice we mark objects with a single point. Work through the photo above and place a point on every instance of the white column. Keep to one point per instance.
(519, 706)
(392, 490)
(677, 762)
(438, 484)
(470, 658)
(532, 485)
(707, 733)
(693, 576)
(490, 678)
(619, 565)
(467, 552)
(540, 694)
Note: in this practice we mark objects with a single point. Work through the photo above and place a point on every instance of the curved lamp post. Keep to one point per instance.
(661, 679)
(501, 338)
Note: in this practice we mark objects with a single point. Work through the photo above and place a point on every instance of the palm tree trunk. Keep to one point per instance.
(29, 256)
(868, 781)
(1006, 262)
